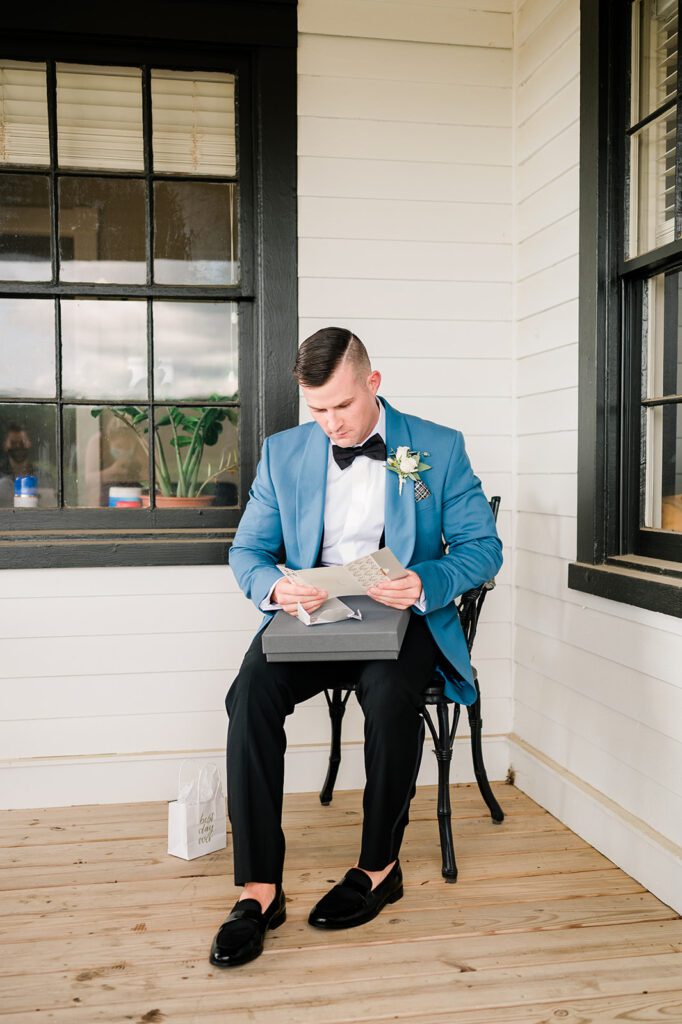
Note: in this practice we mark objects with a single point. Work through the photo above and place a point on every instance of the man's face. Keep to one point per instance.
(345, 407)
(17, 445)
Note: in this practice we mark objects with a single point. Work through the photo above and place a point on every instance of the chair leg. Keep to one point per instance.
(337, 709)
(476, 727)
(443, 752)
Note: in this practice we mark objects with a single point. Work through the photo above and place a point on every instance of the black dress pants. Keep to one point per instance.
(257, 703)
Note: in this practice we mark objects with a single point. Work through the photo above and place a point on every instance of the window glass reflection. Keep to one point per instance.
(99, 117)
(196, 350)
(106, 457)
(102, 230)
(195, 233)
(196, 456)
(24, 228)
(27, 348)
(23, 113)
(104, 348)
(193, 118)
(28, 462)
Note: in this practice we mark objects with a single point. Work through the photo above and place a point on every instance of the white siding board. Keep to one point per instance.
(396, 140)
(548, 161)
(556, 113)
(423, 339)
(447, 377)
(547, 248)
(342, 259)
(147, 580)
(408, 221)
(542, 413)
(546, 533)
(405, 21)
(646, 700)
(551, 329)
(390, 59)
(462, 412)
(553, 493)
(548, 371)
(376, 297)
(535, 92)
(420, 102)
(407, 180)
(548, 288)
(540, 47)
(551, 202)
(648, 800)
(555, 452)
(530, 16)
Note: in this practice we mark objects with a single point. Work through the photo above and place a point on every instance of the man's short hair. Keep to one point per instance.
(323, 352)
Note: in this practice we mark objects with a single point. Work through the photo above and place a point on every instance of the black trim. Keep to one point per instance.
(612, 298)
(257, 41)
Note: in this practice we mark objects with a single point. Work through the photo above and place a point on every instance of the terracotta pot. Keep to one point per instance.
(171, 501)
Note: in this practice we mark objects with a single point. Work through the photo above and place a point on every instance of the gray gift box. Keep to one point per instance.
(378, 635)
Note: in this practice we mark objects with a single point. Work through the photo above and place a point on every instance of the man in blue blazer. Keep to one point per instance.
(323, 495)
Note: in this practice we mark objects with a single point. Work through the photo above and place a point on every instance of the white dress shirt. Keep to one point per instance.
(353, 509)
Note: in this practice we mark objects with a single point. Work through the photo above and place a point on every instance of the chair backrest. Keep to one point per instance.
(470, 603)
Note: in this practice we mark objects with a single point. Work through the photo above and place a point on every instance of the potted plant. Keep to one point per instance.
(193, 431)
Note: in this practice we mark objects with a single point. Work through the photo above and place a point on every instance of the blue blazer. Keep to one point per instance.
(284, 519)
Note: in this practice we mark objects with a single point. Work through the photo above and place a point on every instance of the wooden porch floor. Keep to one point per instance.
(100, 925)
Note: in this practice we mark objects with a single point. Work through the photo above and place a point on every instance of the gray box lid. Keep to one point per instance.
(378, 635)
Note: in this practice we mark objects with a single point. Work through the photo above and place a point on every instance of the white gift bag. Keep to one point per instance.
(196, 820)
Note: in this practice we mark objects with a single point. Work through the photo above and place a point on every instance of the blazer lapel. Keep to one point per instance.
(400, 514)
(311, 488)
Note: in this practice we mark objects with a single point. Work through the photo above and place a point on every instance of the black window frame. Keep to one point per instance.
(257, 42)
(616, 559)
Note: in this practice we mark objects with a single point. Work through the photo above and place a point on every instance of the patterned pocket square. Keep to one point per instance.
(421, 491)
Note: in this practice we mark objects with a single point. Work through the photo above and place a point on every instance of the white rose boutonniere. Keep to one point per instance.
(408, 465)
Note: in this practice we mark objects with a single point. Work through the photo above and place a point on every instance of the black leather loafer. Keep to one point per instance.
(241, 935)
(352, 901)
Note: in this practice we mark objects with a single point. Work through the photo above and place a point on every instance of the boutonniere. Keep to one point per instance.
(408, 465)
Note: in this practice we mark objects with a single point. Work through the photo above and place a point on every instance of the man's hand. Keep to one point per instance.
(401, 593)
(288, 594)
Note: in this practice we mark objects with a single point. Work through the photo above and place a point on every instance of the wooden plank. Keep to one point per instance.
(292, 1003)
(118, 580)
(418, 917)
(489, 300)
(362, 962)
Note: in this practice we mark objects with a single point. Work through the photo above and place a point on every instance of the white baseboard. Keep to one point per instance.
(644, 854)
(130, 778)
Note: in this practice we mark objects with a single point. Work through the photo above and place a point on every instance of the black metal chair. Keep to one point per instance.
(469, 608)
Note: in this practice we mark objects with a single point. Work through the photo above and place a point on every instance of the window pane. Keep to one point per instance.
(99, 117)
(193, 118)
(28, 445)
(104, 348)
(102, 230)
(24, 228)
(27, 351)
(195, 233)
(652, 184)
(196, 456)
(654, 65)
(23, 113)
(196, 350)
(664, 468)
(106, 458)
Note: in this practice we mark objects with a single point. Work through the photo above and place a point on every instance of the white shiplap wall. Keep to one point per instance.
(598, 685)
(111, 676)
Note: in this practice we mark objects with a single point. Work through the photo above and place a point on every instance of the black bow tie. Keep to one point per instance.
(374, 448)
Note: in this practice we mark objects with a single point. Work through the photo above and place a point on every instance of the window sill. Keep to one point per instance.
(632, 579)
(101, 548)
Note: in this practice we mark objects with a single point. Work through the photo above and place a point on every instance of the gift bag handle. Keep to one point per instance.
(204, 767)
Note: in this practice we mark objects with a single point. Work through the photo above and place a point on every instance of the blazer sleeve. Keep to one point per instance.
(474, 550)
(259, 542)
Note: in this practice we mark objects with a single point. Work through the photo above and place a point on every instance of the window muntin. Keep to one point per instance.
(653, 128)
(105, 342)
